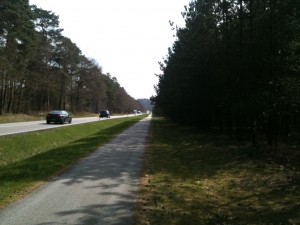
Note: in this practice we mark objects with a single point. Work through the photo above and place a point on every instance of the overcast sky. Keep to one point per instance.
(126, 37)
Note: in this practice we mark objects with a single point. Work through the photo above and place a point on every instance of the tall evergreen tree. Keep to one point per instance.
(16, 40)
(232, 65)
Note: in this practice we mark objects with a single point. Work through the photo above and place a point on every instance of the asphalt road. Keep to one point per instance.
(22, 127)
(100, 189)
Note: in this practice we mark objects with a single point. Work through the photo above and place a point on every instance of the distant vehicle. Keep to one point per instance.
(58, 116)
(104, 113)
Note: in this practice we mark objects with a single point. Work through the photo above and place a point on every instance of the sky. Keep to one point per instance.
(126, 37)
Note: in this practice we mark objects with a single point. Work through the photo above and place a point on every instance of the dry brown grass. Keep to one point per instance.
(192, 178)
(11, 118)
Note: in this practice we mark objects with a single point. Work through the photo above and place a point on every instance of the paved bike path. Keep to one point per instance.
(100, 189)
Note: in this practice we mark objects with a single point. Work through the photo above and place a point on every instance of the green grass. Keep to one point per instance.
(191, 178)
(27, 160)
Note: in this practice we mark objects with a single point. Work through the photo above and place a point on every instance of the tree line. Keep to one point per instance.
(235, 67)
(40, 69)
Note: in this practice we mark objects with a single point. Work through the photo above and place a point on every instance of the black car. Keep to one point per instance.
(58, 116)
(104, 113)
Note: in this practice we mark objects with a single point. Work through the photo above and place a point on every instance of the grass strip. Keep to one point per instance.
(12, 118)
(29, 159)
(194, 178)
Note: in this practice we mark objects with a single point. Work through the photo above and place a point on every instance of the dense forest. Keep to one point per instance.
(40, 69)
(235, 68)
